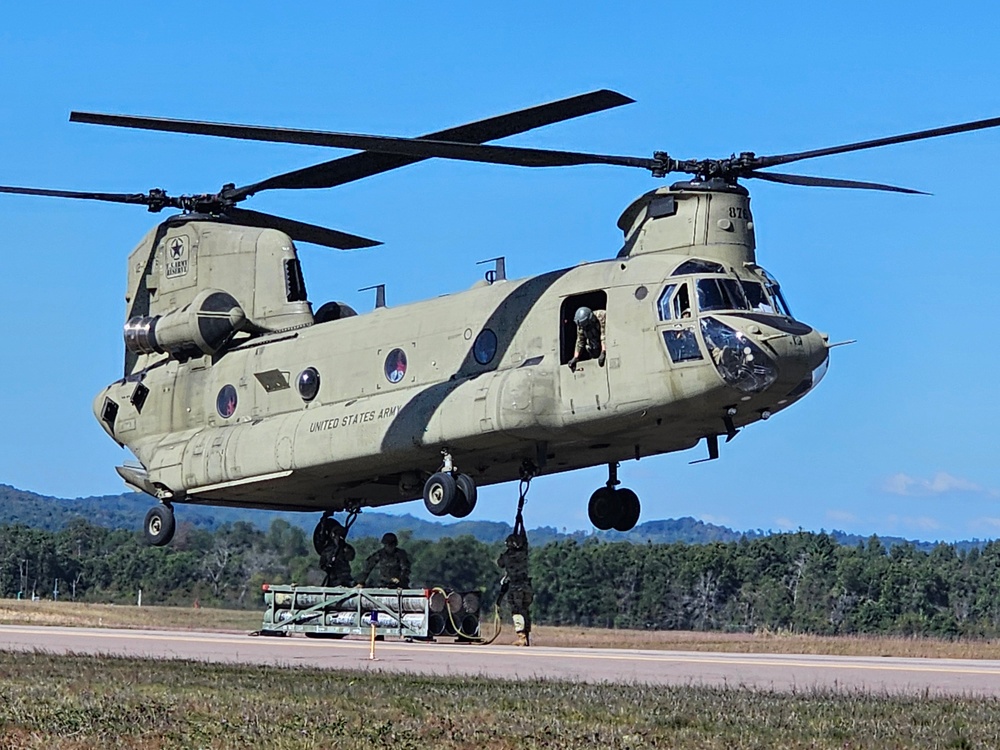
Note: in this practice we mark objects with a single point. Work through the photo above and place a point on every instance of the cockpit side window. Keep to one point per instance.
(663, 304)
(675, 302)
(779, 301)
(774, 289)
(721, 294)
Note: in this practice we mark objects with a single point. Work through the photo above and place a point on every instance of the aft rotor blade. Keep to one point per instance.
(769, 161)
(141, 198)
(359, 166)
(418, 147)
(300, 231)
(797, 179)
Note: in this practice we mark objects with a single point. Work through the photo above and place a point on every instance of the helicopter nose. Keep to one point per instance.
(754, 357)
(802, 362)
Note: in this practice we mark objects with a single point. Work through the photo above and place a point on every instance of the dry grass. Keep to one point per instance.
(176, 618)
(72, 702)
(72, 614)
(768, 642)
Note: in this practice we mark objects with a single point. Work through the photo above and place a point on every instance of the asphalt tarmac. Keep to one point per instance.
(782, 672)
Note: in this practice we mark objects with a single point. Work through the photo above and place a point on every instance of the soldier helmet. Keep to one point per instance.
(514, 540)
(389, 539)
(583, 316)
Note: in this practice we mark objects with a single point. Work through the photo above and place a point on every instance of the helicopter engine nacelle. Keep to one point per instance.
(204, 325)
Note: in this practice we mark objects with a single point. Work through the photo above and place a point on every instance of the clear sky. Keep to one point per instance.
(899, 438)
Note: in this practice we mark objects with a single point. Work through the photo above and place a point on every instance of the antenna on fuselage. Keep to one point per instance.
(379, 294)
(499, 272)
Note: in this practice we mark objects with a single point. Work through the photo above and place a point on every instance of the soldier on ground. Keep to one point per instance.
(393, 565)
(516, 583)
(336, 557)
(590, 336)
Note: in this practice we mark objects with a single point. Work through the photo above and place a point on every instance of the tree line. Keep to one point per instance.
(803, 581)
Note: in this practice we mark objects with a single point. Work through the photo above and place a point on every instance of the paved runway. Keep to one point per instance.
(766, 671)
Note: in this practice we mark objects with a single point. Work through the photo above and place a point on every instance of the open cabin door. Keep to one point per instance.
(584, 392)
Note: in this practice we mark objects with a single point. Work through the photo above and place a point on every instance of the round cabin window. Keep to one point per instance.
(395, 365)
(485, 347)
(226, 401)
(308, 383)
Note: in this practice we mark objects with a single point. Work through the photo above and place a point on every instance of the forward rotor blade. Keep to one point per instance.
(358, 166)
(300, 231)
(796, 179)
(769, 161)
(421, 148)
(140, 198)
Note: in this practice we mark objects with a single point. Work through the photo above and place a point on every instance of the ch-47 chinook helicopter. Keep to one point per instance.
(236, 392)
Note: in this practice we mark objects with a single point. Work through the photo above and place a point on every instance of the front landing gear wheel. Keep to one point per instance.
(467, 496)
(158, 528)
(440, 492)
(627, 503)
(603, 508)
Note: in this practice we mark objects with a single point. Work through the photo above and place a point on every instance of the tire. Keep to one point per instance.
(628, 510)
(319, 538)
(440, 492)
(321, 535)
(465, 503)
(158, 528)
(602, 508)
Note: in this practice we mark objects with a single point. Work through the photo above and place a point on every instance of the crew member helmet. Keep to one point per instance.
(514, 540)
(390, 539)
(583, 316)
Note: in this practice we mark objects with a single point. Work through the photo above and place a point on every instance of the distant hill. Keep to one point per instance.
(128, 510)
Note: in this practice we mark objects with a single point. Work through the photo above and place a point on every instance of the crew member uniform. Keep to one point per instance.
(590, 336)
(392, 562)
(514, 561)
(336, 558)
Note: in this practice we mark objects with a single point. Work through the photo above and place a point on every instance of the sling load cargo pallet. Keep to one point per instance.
(335, 612)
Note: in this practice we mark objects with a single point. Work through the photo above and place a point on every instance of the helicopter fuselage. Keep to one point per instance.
(356, 411)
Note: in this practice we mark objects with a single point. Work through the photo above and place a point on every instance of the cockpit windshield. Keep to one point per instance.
(721, 294)
(717, 292)
(758, 299)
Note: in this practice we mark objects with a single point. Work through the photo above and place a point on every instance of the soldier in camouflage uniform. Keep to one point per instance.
(517, 585)
(336, 556)
(590, 336)
(393, 565)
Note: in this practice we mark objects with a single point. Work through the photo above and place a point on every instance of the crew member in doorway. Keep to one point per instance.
(392, 562)
(516, 584)
(590, 337)
(336, 557)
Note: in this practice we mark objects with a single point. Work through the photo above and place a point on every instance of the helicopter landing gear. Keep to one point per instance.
(448, 492)
(612, 507)
(158, 528)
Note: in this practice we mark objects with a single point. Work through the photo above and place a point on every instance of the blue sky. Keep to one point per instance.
(899, 438)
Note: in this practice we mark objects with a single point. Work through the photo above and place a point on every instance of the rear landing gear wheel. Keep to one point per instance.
(158, 528)
(627, 503)
(440, 492)
(465, 503)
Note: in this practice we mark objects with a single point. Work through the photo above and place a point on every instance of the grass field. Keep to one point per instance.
(175, 618)
(87, 702)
